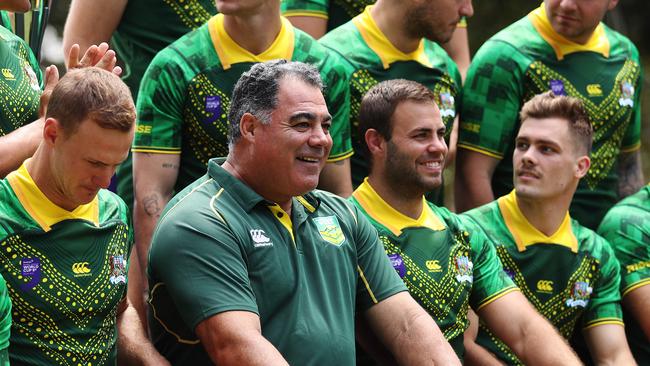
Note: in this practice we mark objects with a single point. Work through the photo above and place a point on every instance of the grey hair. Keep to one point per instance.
(256, 91)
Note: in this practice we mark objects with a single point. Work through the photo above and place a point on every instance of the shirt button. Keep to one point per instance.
(280, 214)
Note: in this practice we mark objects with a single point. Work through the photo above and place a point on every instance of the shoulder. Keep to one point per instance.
(328, 61)
(621, 45)
(193, 51)
(112, 206)
(592, 244)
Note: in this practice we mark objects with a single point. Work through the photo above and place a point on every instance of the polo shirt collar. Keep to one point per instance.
(393, 220)
(598, 42)
(43, 211)
(379, 43)
(525, 234)
(229, 52)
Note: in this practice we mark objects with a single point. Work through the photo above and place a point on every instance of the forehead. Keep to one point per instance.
(410, 115)
(295, 94)
(92, 141)
(552, 129)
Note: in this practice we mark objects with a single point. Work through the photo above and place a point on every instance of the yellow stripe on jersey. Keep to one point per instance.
(284, 219)
(305, 13)
(480, 150)
(603, 321)
(634, 286)
(496, 296)
(365, 282)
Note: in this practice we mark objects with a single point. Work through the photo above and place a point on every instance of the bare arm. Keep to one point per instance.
(91, 22)
(314, 26)
(637, 302)
(630, 173)
(473, 183)
(411, 335)
(474, 353)
(608, 345)
(134, 348)
(458, 50)
(336, 177)
(235, 338)
(529, 335)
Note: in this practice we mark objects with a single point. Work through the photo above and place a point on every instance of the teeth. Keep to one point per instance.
(432, 164)
(309, 159)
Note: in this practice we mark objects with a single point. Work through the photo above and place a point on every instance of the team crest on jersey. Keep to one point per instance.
(464, 269)
(447, 108)
(329, 229)
(33, 79)
(627, 94)
(118, 269)
(398, 263)
(580, 295)
(30, 267)
(213, 104)
(557, 87)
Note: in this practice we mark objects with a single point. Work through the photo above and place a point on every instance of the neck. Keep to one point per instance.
(389, 17)
(408, 204)
(546, 215)
(41, 172)
(255, 32)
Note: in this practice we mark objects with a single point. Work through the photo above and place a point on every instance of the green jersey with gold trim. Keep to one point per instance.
(446, 268)
(5, 21)
(337, 12)
(66, 274)
(626, 227)
(571, 277)
(374, 59)
(528, 58)
(185, 95)
(20, 83)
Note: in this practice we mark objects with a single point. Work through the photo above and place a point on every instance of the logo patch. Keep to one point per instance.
(118, 269)
(260, 239)
(580, 296)
(447, 108)
(594, 90)
(627, 94)
(398, 263)
(213, 104)
(557, 86)
(30, 267)
(545, 286)
(329, 229)
(81, 269)
(464, 269)
(433, 266)
(8, 74)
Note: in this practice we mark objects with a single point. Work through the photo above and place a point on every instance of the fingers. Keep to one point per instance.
(51, 79)
(100, 56)
(73, 57)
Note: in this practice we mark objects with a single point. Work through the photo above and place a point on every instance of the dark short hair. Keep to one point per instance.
(549, 105)
(256, 91)
(379, 104)
(91, 93)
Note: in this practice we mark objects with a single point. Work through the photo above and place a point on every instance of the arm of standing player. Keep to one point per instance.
(134, 348)
(529, 335)
(314, 26)
(473, 183)
(474, 353)
(637, 302)
(409, 333)
(608, 345)
(336, 177)
(630, 173)
(458, 50)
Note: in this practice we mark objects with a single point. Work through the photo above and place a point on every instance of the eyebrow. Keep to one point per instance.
(538, 141)
(308, 116)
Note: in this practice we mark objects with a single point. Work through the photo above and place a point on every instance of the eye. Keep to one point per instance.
(326, 126)
(547, 150)
(521, 145)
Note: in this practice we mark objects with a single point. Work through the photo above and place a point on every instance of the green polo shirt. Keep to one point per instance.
(220, 246)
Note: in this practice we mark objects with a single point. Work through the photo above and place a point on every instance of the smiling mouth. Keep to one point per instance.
(309, 159)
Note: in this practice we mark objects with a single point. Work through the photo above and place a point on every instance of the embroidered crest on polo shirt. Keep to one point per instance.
(330, 230)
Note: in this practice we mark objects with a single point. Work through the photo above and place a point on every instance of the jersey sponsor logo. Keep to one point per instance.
(594, 90)
(557, 87)
(433, 266)
(627, 94)
(213, 104)
(31, 75)
(118, 269)
(580, 295)
(142, 129)
(329, 229)
(637, 266)
(464, 269)
(471, 127)
(81, 269)
(398, 263)
(30, 267)
(260, 239)
(545, 286)
(447, 105)
(8, 74)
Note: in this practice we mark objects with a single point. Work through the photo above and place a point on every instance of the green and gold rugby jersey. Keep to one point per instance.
(185, 95)
(337, 12)
(627, 229)
(445, 268)
(5, 21)
(374, 59)
(528, 58)
(219, 246)
(66, 273)
(570, 276)
(146, 27)
(20, 83)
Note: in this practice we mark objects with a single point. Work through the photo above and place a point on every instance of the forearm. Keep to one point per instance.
(19, 145)
(473, 181)
(336, 177)
(541, 344)
(134, 348)
(476, 355)
(630, 173)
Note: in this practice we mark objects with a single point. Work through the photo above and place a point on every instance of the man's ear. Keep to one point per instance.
(247, 126)
(375, 142)
(582, 166)
(52, 130)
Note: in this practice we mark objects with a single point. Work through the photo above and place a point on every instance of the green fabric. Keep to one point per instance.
(338, 12)
(626, 227)
(5, 21)
(63, 317)
(516, 64)
(218, 247)
(548, 275)
(20, 83)
(430, 260)
(366, 70)
(146, 27)
(185, 95)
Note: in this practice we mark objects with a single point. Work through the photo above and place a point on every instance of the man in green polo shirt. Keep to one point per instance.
(626, 227)
(566, 271)
(250, 265)
(447, 267)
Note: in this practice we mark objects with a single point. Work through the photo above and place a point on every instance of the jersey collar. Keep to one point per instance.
(393, 220)
(525, 234)
(377, 41)
(598, 42)
(45, 212)
(229, 52)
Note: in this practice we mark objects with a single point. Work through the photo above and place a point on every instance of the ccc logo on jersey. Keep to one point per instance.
(594, 90)
(433, 266)
(80, 269)
(545, 286)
